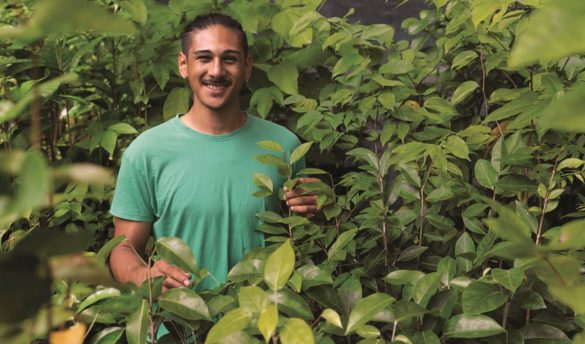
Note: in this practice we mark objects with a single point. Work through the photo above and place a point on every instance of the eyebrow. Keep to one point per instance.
(209, 52)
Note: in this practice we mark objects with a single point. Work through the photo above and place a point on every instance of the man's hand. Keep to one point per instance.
(300, 201)
(175, 277)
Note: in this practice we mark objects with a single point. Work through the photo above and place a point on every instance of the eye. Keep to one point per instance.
(230, 59)
(203, 58)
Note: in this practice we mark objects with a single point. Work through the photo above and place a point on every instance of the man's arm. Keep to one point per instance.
(128, 267)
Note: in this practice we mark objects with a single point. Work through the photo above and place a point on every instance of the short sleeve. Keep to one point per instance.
(133, 196)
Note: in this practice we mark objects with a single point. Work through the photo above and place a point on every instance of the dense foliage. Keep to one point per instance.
(452, 168)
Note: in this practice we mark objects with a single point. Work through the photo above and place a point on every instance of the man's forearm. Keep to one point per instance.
(127, 266)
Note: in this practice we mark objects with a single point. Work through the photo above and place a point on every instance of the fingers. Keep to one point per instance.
(300, 201)
(175, 277)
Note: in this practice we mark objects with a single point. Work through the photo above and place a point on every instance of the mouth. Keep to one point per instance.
(216, 85)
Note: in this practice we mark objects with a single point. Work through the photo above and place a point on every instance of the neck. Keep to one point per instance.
(211, 122)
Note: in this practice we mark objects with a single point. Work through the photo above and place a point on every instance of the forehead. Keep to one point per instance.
(216, 38)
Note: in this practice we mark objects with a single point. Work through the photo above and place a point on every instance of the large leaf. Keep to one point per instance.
(186, 303)
(486, 174)
(567, 113)
(463, 91)
(296, 331)
(98, 296)
(279, 266)
(109, 335)
(472, 326)
(176, 252)
(554, 31)
(300, 152)
(481, 297)
(177, 102)
(569, 236)
(137, 325)
(365, 310)
(291, 304)
(232, 322)
(267, 322)
(285, 76)
(253, 299)
(508, 225)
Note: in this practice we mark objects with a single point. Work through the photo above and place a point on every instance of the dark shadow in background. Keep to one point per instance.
(376, 12)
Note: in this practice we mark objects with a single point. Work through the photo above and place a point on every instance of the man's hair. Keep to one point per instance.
(206, 20)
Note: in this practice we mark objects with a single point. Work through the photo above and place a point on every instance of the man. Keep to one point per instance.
(190, 177)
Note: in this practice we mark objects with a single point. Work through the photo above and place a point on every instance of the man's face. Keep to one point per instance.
(216, 68)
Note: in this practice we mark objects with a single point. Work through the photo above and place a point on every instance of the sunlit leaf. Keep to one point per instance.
(279, 266)
(175, 251)
(137, 325)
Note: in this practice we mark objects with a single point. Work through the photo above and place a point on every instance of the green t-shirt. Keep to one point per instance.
(198, 187)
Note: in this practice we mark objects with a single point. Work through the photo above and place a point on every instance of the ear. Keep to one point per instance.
(183, 67)
(248, 66)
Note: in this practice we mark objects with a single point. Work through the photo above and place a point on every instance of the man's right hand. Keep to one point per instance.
(175, 277)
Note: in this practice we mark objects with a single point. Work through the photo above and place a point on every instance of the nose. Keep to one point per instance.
(216, 68)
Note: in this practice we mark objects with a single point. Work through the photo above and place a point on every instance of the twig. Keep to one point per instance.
(545, 203)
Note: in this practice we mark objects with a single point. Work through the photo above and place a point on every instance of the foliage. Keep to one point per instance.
(452, 168)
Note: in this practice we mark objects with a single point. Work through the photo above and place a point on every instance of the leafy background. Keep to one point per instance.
(451, 164)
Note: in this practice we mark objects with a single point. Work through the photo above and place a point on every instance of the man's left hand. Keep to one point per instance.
(301, 202)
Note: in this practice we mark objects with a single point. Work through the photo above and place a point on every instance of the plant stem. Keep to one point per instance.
(545, 203)
(394, 330)
(422, 205)
(150, 301)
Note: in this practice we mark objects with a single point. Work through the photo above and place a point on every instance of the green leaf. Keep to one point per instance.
(175, 251)
(483, 9)
(570, 163)
(177, 102)
(463, 59)
(457, 146)
(511, 279)
(443, 192)
(404, 310)
(481, 297)
(332, 317)
(109, 335)
(271, 145)
(509, 225)
(267, 322)
(342, 240)
(269, 217)
(544, 333)
(33, 187)
(365, 310)
(570, 296)
(555, 31)
(291, 304)
(296, 331)
(122, 128)
(472, 326)
(426, 337)
(270, 159)
(263, 182)
(105, 251)
(246, 270)
(527, 101)
(300, 152)
(463, 91)
(486, 174)
(426, 287)
(279, 266)
(285, 76)
(311, 170)
(185, 303)
(387, 99)
(567, 113)
(98, 296)
(570, 236)
(137, 10)
(232, 322)
(411, 252)
(313, 275)
(137, 325)
(253, 299)
(400, 277)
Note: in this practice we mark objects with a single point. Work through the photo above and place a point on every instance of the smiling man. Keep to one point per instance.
(191, 177)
